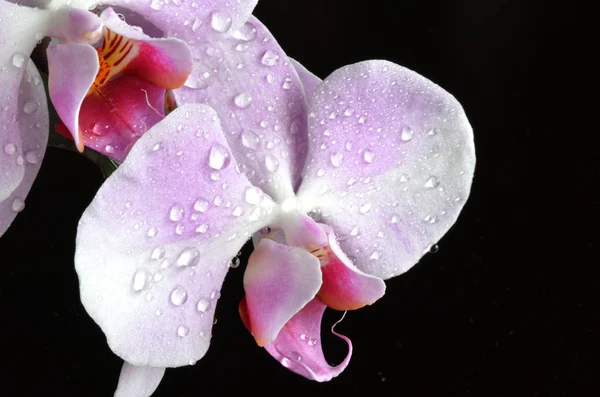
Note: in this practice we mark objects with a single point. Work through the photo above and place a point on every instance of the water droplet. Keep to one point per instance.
(270, 58)
(109, 149)
(355, 231)
(270, 78)
(303, 336)
(349, 145)
(287, 83)
(220, 21)
(351, 181)
(242, 100)
(434, 248)
(196, 81)
(404, 178)
(176, 213)
(321, 172)
(18, 60)
(165, 264)
(238, 211)
(188, 257)
(215, 295)
(156, 4)
(196, 25)
(158, 276)
(369, 156)
(157, 253)
(202, 228)
(234, 263)
(250, 139)
(432, 132)
(296, 356)
(30, 107)
(246, 32)
(432, 182)
(272, 163)
(32, 157)
(312, 342)
(158, 312)
(139, 279)
(241, 47)
(179, 296)
(152, 232)
(201, 205)
(215, 176)
(264, 123)
(348, 112)
(219, 157)
(407, 134)
(18, 204)
(10, 149)
(149, 296)
(203, 305)
(218, 200)
(362, 120)
(192, 361)
(336, 159)
(295, 127)
(375, 255)
(182, 331)
(252, 195)
(395, 219)
(430, 218)
(364, 208)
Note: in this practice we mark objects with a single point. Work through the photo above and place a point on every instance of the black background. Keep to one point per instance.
(509, 306)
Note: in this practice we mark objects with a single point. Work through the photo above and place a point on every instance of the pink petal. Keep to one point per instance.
(298, 345)
(279, 280)
(249, 81)
(309, 81)
(165, 62)
(113, 117)
(137, 381)
(401, 149)
(72, 69)
(32, 124)
(154, 245)
(344, 286)
(18, 37)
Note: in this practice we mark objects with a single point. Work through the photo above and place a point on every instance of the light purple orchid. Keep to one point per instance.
(342, 183)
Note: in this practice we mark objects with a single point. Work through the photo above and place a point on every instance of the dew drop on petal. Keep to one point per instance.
(364, 208)
(243, 100)
(10, 149)
(215, 295)
(432, 182)
(202, 228)
(348, 112)
(32, 157)
(201, 205)
(312, 342)
(220, 21)
(139, 279)
(219, 157)
(270, 58)
(18, 60)
(18, 204)
(407, 134)
(178, 296)
(375, 255)
(152, 232)
(272, 163)
(157, 253)
(247, 32)
(238, 211)
(336, 159)
(234, 263)
(30, 107)
(203, 305)
(188, 257)
(250, 140)
(196, 25)
(182, 331)
(176, 213)
(369, 156)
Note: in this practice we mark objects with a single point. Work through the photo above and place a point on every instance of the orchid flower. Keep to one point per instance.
(341, 183)
(107, 82)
